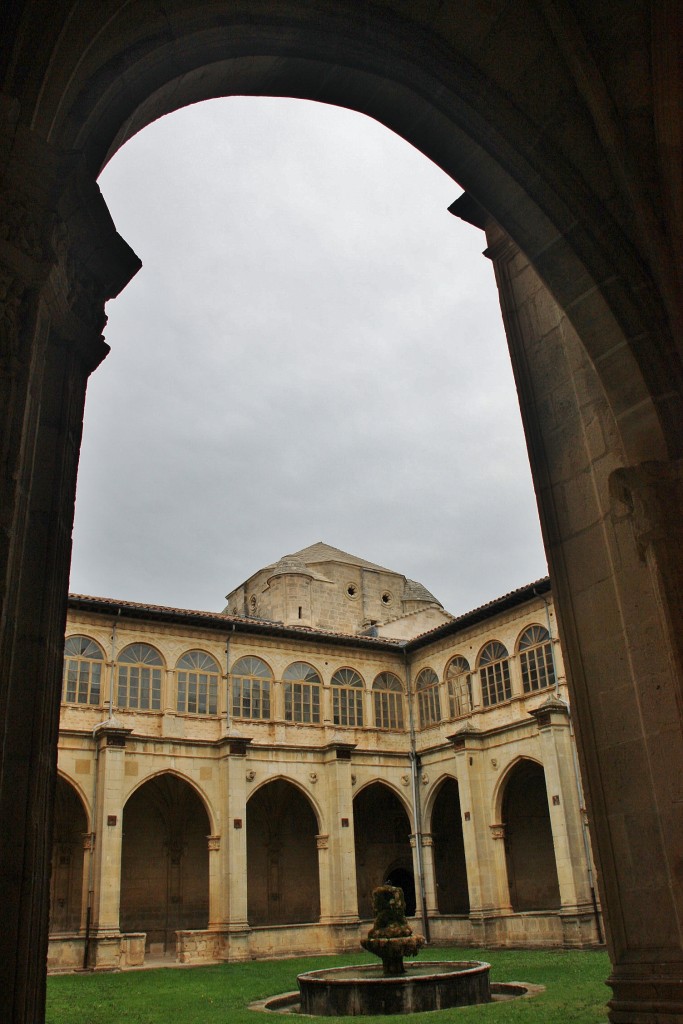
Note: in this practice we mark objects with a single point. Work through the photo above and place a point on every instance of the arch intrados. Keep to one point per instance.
(315, 806)
(506, 775)
(442, 107)
(392, 789)
(183, 778)
(79, 793)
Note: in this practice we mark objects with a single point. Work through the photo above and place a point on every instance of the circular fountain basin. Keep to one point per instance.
(364, 990)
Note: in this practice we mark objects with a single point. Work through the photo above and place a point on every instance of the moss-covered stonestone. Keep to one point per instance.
(391, 937)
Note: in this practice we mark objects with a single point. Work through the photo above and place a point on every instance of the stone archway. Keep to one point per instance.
(283, 882)
(529, 850)
(164, 862)
(382, 835)
(66, 878)
(450, 867)
(576, 162)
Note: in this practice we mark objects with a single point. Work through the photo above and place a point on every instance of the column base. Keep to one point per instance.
(647, 994)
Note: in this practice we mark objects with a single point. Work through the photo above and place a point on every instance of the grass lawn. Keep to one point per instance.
(574, 980)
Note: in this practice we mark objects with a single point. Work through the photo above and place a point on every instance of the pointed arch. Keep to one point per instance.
(382, 829)
(450, 865)
(164, 860)
(283, 884)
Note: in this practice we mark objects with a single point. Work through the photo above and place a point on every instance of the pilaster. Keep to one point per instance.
(336, 848)
(564, 807)
(110, 737)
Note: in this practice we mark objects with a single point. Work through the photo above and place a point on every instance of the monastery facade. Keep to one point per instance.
(234, 785)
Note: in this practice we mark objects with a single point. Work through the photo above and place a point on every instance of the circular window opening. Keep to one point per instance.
(386, 597)
(351, 590)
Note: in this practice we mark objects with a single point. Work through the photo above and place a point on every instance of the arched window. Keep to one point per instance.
(197, 675)
(139, 678)
(387, 692)
(494, 672)
(427, 687)
(302, 693)
(459, 685)
(250, 679)
(347, 697)
(536, 659)
(83, 663)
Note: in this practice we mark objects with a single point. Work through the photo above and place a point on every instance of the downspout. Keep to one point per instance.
(93, 836)
(417, 813)
(579, 785)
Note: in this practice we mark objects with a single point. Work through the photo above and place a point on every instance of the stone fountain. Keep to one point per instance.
(397, 987)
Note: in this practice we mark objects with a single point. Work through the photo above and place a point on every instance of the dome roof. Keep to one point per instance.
(290, 565)
(414, 591)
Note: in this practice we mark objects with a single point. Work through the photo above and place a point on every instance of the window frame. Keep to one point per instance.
(347, 698)
(536, 659)
(428, 697)
(80, 661)
(458, 708)
(388, 702)
(189, 684)
(258, 690)
(302, 694)
(494, 674)
(149, 679)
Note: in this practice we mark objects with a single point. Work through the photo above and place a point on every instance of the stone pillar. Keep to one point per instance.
(336, 850)
(429, 877)
(216, 874)
(60, 259)
(105, 929)
(613, 535)
(88, 853)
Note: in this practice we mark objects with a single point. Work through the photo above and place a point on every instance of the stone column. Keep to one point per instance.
(215, 883)
(610, 505)
(429, 877)
(105, 940)
(60, 259)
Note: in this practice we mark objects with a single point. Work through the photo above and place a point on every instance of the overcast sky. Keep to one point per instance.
(313, 350)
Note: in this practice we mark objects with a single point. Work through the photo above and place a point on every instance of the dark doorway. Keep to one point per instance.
(529, 850)
(382, 831)
(450, 867)
(283, 884)
(66, 880)
(164, 862)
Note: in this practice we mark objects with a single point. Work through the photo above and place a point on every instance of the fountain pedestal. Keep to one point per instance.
(364, 990)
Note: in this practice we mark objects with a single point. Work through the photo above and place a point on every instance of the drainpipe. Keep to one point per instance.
(91, 859)
(577, 779)
(417, 813)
